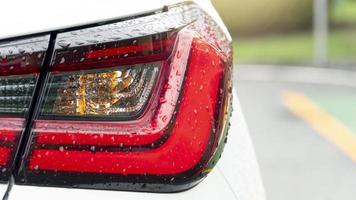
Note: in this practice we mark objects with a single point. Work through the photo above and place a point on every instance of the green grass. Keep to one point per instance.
(289, 48)
(297, 48)
(342, 45)
(344, 13)
(293, 48)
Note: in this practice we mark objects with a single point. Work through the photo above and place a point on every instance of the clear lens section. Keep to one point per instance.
(143, 39)
(16, 93)
(117, 92)
(22, 56)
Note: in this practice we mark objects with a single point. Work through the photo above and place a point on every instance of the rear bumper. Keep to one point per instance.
(211, 188)
(236, 176)
(3, 189)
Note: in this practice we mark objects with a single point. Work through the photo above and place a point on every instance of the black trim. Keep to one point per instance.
(148, 183)
(24, 138)
(7, 144)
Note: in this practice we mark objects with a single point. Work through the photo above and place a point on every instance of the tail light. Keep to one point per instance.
(20, 64)
(140, 104)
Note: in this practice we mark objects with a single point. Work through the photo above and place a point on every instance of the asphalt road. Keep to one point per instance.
(296, 161)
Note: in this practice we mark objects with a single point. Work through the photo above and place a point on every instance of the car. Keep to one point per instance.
(120, 100)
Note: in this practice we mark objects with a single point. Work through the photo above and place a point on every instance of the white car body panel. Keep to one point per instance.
(236, 176)
(20, 17)
(3, 189)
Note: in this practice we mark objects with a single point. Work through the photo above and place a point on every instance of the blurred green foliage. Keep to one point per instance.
(280, 31)
(344, 12)
(282, 49)
(342, 46)
(294, 48)
(255, 17)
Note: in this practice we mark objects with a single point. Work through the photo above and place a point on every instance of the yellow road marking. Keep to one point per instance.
(325, 124)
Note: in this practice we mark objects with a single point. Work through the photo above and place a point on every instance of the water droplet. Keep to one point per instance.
(167, 86)
(63, 44)
(62, 60)
(179, 54)
(21, 50)
(195, 111)
(61, 148)
(79, 42)
(92, 148)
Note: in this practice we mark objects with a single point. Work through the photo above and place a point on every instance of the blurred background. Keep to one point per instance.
(295, 75)
(281, 32)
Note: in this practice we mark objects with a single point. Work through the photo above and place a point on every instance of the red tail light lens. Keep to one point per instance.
(20, 63)
(139, 105)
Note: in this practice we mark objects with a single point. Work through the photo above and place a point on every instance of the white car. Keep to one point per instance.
(120, 100)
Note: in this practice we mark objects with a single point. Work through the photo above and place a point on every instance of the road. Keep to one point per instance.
(299, 155)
